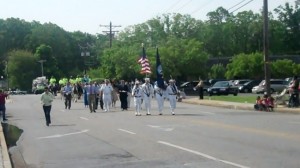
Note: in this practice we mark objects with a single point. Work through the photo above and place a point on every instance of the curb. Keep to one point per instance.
(239, 106)
(5, 156)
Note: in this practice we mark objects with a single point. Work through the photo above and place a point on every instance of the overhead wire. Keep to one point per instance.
(236, 4)
(172, 6)
(241, 6)
(184, 5)
(201, 7)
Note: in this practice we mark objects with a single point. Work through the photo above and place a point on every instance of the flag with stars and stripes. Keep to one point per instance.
(144, 63)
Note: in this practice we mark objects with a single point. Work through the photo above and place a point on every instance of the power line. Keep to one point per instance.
(242, 6)
(236, 5)
(184, 5)
(173, 5)
(198, 9)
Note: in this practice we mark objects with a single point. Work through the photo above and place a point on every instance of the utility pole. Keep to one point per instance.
(110, 32)
(42, 62)
(266, 47)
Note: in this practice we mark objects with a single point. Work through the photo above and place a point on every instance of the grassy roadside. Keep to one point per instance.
(231, 98)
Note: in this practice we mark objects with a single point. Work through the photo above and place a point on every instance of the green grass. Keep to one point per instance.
(231, 98)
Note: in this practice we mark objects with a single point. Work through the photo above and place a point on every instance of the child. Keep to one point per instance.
(270, 103)
(257, 105)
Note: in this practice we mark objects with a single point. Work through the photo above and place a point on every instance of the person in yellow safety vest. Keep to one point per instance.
(52, 80)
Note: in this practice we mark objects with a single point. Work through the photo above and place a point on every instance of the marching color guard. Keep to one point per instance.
(137, 94)
(172, 92)
(148, 94)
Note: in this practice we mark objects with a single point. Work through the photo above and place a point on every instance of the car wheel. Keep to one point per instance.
(246, 90)
(235, 94)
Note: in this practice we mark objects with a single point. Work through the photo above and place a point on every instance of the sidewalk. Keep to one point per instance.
(4, 155)
(235, 105)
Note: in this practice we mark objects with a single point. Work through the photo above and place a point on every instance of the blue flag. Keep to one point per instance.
(159, 72)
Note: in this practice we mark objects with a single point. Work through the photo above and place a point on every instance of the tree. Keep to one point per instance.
(217, 71)
(283, 68)
(245, 66)
(22, 69)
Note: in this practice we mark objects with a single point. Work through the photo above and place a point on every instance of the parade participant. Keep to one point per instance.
(137, 94)
(67, 91)
(129, 93)
(85, 97)
(148, 94)
(97, 97)
(47, 99)
(91, 93)
(172, 92)
(123, 89)
(114, 95)
(106, 91)
(160, 96)
(3, 97)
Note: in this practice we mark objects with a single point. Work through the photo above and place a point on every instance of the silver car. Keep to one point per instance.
(276, 85)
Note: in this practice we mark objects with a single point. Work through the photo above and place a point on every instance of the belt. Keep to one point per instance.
(137, 96)
(172, 94)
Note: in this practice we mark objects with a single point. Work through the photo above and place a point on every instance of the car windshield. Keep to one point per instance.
(221, 84)
(247, 83)
(184, 84)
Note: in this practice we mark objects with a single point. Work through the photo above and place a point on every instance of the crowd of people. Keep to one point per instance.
(107, 93)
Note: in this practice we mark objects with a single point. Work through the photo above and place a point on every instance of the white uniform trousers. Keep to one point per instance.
(147, 101)
(106, 101)
(172, 100)
(160, 102)
(137, 103)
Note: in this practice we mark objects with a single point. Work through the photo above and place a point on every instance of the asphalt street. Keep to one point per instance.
(197, 136)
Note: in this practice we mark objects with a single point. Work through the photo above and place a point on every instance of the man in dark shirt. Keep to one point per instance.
(123, 92)
(3, 97)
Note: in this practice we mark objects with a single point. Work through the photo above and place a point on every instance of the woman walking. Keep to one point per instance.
(46, 100)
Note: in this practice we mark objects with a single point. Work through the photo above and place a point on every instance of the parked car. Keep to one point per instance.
(18, 92)
(276, 85)
(240, 82)
(189, 87)
(223, 88)
(247, 87)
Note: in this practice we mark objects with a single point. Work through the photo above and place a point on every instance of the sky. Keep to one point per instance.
(88, 15)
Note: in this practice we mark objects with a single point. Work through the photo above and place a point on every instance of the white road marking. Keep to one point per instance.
(203, 155)
(62, 135)
(160, 128)
(205, 112)
(84, 118)
(127, 131)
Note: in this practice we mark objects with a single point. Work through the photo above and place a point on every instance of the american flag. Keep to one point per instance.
(144, 63)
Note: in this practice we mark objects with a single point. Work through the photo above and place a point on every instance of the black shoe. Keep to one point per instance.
(94, 111)
(4, 119)
(47, 124)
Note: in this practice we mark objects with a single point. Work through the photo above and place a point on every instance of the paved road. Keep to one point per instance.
(197, 136)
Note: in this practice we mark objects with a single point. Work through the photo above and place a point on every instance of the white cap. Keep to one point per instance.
(137, 82)
(171, 80)
(147, 79)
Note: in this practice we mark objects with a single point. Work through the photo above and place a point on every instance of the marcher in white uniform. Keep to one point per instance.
(137, 94)
(160, 96)
(106, 91)
(148, 94)
(172, 93)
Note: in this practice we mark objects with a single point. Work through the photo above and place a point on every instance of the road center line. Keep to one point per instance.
(202, 154)
(127, 131)
(84, 118)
